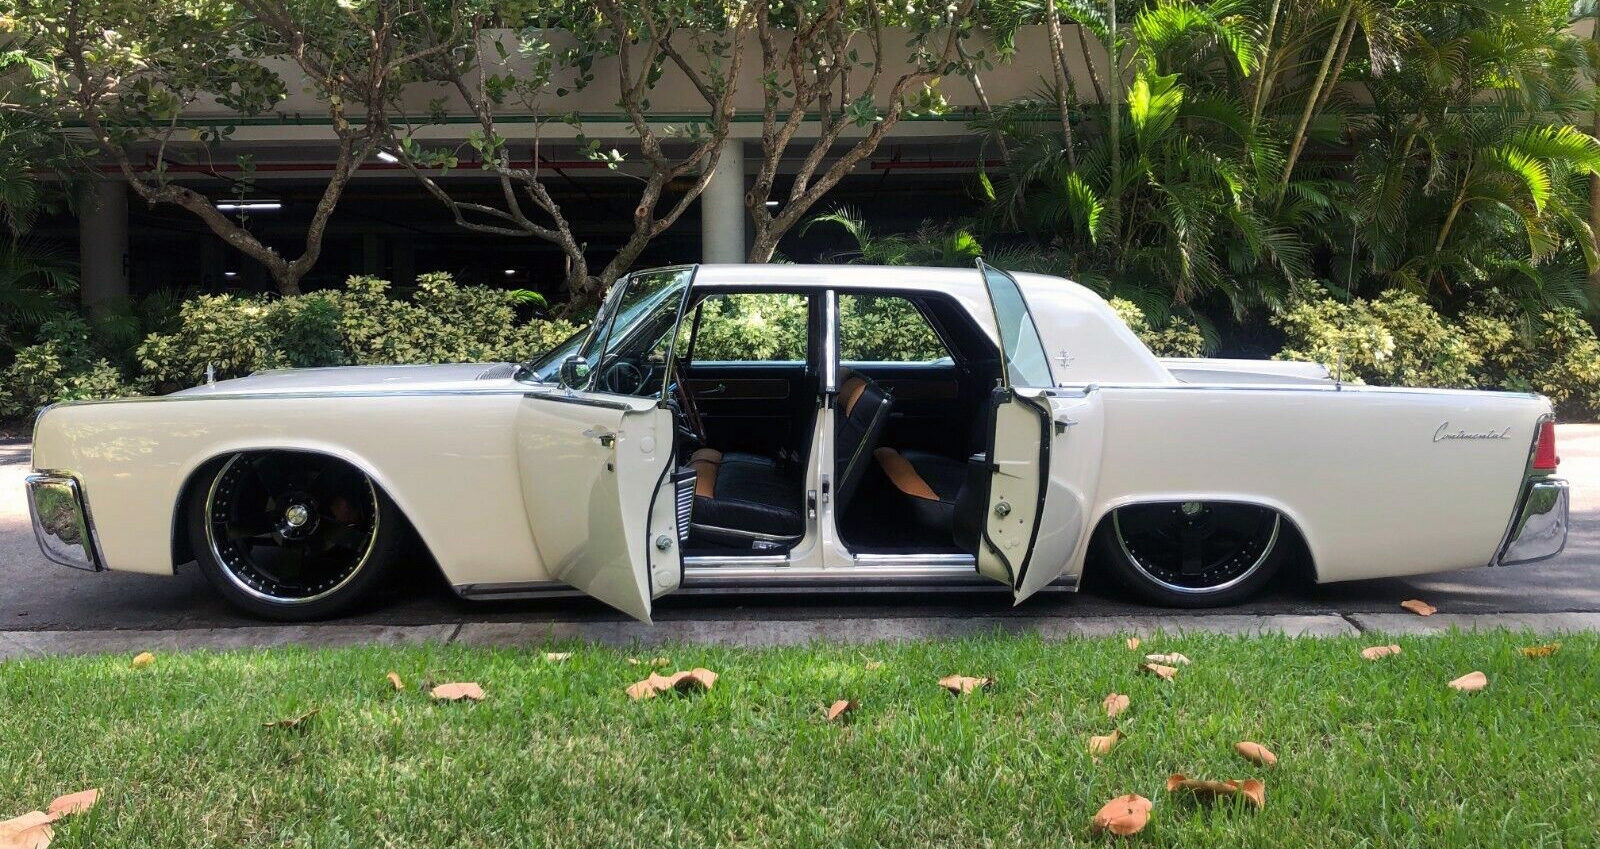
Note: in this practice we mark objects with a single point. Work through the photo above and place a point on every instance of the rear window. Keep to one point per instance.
(741, 328)
(886, 329)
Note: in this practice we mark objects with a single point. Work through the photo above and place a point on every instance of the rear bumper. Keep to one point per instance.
(1539, 530)
(61, 521)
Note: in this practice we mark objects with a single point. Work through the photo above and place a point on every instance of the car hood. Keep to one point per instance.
(456, 376)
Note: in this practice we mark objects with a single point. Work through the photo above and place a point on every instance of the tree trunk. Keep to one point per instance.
(1058, 61)
(1312, 97)
(1263, 84)
(1088, 60)
(1114, 119)
(1594, 179)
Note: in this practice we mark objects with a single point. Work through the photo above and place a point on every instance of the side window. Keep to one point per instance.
(744, 328)
(1026, 363)
(886, 329)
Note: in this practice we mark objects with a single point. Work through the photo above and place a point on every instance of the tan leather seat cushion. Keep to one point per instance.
(903, 475)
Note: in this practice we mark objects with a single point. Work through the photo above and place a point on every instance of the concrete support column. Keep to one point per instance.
(103, 242)
(372, 254)
(722, 217)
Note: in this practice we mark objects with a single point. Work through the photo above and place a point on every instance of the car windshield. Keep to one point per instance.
(645, 298)
(543, 367)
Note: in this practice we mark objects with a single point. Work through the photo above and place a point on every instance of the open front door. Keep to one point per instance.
(596, 453)
(1039, 460)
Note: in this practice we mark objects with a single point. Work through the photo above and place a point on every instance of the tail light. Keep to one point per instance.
(1544, 452)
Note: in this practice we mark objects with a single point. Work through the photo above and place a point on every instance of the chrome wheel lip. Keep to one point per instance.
(237, 581)
(1266, 553)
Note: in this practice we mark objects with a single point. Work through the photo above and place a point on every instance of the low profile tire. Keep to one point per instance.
(292, 536)
(1193, 554)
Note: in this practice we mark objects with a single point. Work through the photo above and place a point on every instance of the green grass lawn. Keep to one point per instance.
(1378, 754)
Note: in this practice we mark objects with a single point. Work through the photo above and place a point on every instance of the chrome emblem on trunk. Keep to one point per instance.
(1444, 433)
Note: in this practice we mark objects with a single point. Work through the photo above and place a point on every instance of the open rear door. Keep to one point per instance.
(1032, 487)
(596, 453)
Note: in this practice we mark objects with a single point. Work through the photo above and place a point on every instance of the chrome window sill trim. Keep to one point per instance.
(55, 533)
(1540, 529)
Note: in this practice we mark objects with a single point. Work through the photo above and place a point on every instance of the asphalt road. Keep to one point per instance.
(37, 595)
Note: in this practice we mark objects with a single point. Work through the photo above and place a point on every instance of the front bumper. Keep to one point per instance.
(1539, 530)
(61, 521)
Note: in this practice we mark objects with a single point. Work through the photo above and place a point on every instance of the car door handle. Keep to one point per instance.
(715, 390)
(606, 437)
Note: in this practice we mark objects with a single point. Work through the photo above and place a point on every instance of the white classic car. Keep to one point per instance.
(1027, 437)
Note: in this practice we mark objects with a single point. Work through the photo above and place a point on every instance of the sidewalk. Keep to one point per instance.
(15, 644)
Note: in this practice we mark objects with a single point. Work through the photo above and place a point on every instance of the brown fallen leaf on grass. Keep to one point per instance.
(961, 684)
(394, 681)
(1133, 645)
(143, 659)
(1471, 682)
(30, 831)
(557, 656)
(1421, 608)
(693, 680)
(1101, 744)
(294, 724)
(1166, 672)
(33, 830)
(840, 708)
(1541, 651)
(1254, 790)
(1116, 703)
(1173, 659)
(457, 692)
(1256, 753)
(874, 664)
(72, 803)
(1378, 652)
(1122, 816)
(657, 662)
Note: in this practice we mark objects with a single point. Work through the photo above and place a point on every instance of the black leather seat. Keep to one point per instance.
(860, 414)
(745, 497)
(929, 483)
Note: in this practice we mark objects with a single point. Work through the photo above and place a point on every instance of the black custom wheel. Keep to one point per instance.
(1193, 553)
(292, 536)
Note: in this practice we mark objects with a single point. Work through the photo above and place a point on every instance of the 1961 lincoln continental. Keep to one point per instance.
(1031, 438)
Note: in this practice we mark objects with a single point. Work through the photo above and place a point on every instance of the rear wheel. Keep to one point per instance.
(292, 536)
(1193, 553)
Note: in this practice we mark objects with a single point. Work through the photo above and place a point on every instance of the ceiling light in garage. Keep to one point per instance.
(248, 205)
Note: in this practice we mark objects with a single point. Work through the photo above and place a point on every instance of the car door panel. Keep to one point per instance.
(750, 406)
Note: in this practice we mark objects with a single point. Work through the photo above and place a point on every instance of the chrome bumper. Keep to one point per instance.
(61, 521)
(1540, 528)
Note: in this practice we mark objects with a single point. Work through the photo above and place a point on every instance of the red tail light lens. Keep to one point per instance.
(1544, 456)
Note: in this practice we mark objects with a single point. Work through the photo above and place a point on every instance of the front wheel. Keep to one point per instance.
(292, 536)
(1193, 553)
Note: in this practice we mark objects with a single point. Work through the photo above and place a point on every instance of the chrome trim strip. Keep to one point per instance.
(830, 344)
(723, 579)
(573, 398)
(1540, 529)
(756, 535)
(58, 535)
(736, 560)
(278, 396)
(876, 560)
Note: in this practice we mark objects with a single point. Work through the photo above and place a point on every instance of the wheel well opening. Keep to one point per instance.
(183, 551)
(1298, 562)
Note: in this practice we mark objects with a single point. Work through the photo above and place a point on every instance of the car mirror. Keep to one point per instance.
(574, 372)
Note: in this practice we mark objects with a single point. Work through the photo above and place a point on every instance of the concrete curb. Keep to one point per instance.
(17, 644)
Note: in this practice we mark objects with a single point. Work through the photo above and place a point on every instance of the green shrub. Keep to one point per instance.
(1559, 358)
(1396, 339)
(1179, 338)
(360, 324)
(63, 367)
(751, 327)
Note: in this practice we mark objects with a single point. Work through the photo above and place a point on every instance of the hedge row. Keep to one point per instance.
(1394, 339)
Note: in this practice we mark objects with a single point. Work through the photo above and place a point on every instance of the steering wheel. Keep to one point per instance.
(623, 378)
(689, 424)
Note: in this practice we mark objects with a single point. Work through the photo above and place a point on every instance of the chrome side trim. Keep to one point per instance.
(1540, 530)
(703, 579)
(61, 521)
(583, 401)
(735, 532)
(875, 560)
